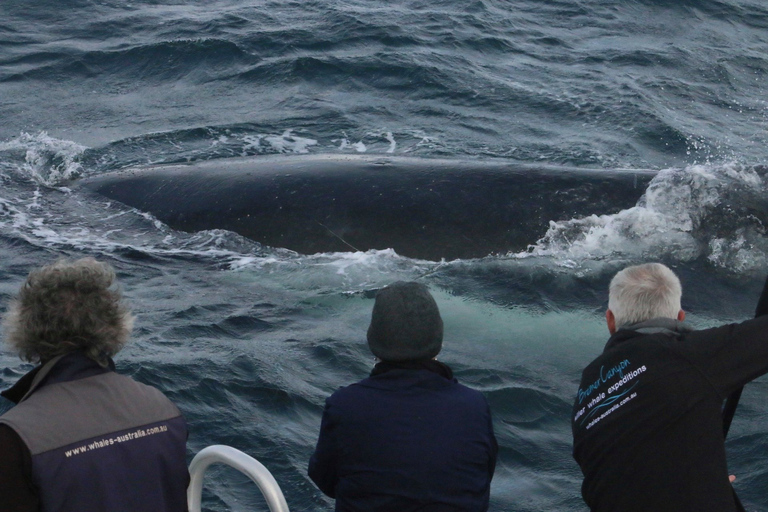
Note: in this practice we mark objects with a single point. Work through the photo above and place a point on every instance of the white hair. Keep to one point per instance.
(643, 292)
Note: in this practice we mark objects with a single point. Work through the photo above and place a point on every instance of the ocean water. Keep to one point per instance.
(249, 339)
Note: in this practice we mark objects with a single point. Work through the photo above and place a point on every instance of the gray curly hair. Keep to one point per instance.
(65, 307)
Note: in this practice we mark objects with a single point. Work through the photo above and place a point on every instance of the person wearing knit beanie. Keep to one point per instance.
(405, 324)
(409, 437)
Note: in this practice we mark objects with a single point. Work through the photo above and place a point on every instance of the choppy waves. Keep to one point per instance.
(249, 339)
(624, 85)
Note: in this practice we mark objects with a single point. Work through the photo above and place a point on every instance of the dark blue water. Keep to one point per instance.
(250, 339)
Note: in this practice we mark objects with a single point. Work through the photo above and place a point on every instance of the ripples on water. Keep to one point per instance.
(249, 340)
(585, 83)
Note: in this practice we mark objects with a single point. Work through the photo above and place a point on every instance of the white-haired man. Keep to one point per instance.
(81, 436)
(647, 419)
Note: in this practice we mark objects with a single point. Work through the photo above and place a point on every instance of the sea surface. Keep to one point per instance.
(249, 339)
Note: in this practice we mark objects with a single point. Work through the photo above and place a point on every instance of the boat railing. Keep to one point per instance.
(244, 463)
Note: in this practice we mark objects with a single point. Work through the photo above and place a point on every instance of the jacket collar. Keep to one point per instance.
(64, 368)
(395, 377)
(430, 365)
(667, 326)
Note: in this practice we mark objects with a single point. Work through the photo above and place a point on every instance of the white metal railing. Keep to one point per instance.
(246, 464)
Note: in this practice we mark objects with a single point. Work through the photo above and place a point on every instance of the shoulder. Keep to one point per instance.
(471, 399)
(139, 390)
(350, 392)
(464, 390)
(10, 441)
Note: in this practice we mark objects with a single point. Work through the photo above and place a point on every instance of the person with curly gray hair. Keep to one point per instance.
(83, 437)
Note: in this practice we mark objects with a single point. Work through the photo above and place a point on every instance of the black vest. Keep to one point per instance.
(101, 441)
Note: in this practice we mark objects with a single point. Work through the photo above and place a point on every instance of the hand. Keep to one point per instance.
(732, 478)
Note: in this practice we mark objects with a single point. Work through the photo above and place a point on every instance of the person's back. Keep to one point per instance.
(83, 437)
(409, 437)
(647, 422)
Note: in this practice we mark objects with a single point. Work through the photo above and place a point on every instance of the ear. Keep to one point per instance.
(681, 315)
(611, 321)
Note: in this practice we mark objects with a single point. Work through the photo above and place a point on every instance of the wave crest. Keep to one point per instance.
(47, 160)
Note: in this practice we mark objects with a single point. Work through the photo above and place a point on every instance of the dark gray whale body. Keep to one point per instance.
(422, 208)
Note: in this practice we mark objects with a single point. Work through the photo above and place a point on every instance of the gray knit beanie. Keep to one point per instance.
(405, 323)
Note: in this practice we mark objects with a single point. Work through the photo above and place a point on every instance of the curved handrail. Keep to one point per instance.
(244, 463)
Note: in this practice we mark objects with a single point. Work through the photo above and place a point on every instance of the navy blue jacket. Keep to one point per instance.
(406, 440)
(83, 437)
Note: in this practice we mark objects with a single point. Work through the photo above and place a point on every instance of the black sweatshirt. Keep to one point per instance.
(647, 424)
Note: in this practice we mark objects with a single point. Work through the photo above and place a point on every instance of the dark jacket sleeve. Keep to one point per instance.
(732, 355)
(16, 488)
(762, 302)
(323, 465)
(494, 451)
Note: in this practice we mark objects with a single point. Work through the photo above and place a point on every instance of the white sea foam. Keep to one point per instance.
(289, 143)
(343, 143)
(251, 142)
(358, 146)
(392, 142)
(332, 272)
(700, 211)
(371, 138)
(47, 160)
(424, 141)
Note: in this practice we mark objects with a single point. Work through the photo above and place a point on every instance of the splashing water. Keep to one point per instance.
(718, 213)
(49, 161)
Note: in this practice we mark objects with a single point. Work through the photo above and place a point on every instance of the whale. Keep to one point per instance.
(424, 208)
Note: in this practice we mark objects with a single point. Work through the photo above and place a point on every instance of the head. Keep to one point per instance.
(643, 292)
(405, 324)
(65, 307)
